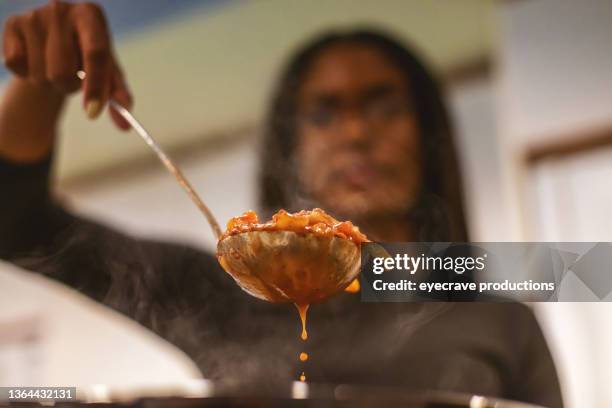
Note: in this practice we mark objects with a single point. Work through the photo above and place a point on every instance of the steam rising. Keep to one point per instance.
(185, 297)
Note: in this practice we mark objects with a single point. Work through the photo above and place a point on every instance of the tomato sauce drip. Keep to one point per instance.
(303, 309)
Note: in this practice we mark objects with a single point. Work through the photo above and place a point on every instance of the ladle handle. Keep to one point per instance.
(169, 164)
(166, 161)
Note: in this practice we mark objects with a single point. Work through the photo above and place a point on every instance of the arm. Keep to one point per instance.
(41, 51)
(28, 119)
(39, 48)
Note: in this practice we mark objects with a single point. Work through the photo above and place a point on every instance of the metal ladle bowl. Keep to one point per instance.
(284, 266)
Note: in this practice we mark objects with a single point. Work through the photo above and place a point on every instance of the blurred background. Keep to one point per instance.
(529, 83)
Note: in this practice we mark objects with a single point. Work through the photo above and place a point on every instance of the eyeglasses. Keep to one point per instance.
(375, 112)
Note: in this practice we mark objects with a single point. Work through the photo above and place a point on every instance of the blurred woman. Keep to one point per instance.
(358, 127)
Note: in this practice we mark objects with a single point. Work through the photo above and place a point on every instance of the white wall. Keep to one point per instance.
(473, 111)
(555, 81)
(555, 70)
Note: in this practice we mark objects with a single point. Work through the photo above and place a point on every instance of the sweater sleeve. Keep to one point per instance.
(38, 234)
(27, 219)
(149, 281)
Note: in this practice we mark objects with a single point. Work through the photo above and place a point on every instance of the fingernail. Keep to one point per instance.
(93, 109)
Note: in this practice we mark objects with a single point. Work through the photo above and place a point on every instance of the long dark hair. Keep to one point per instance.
(439, 214)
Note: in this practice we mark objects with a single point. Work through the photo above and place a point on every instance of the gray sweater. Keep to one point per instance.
(182, 294)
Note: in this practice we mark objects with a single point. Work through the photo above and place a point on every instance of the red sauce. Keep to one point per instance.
(314, 221)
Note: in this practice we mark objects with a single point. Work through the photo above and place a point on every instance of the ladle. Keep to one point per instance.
(277, 266)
